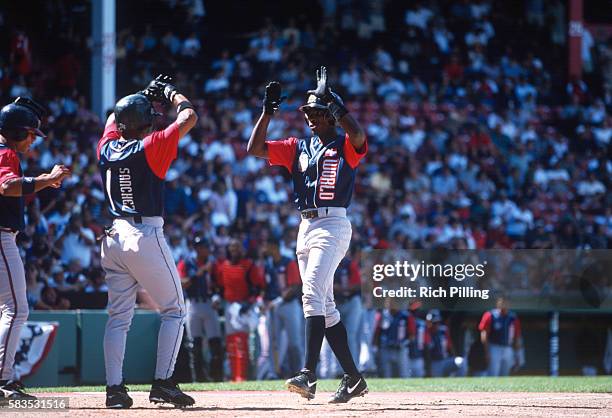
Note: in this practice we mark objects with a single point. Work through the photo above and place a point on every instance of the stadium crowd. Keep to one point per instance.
(476, 139)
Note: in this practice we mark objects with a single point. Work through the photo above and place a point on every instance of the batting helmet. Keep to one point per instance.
(19, 118)
(134, 113)
(313, 102)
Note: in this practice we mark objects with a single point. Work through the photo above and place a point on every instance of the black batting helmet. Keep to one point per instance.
(134, 113)
(19, 118)
(313, 102)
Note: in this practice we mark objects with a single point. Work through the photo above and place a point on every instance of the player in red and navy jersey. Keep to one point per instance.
(440, 347)
(323, 169)
(133, 163)
(500, 333)
(19, 127)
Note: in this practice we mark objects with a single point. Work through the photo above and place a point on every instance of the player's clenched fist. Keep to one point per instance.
(272, 98)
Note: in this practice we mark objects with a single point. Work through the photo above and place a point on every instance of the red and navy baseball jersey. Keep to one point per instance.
(11, 208)
(323, 173)
(419, 337)
(392, 328)
(439, 342)
(502, 329)
(133, 170)
(279, 275)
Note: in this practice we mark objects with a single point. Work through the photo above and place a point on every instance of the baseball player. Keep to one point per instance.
(418, 340)
(241, 280)
(19, 127)
(283, 286)
(500, 332)
(202, 318)
(133, 163)
(440, 347)
(323, 170)
(391, 338)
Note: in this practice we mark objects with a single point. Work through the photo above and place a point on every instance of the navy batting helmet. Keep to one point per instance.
(134, 113)
(19, 118)
(313, 102)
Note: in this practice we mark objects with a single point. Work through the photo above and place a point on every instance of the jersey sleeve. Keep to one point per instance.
(256, 276)
(350, 153)
(293, 274)
(110, 133)
(9, 166)
(485, 322)
(517, 328)
(161, 149)
(354, 273)
(282, 152)
(181, 267)
(411, 326)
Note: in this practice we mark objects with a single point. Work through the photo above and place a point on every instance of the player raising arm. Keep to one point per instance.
(323, 170)
(133, 163)
(19, 127)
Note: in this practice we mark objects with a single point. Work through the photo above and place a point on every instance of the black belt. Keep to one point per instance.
(11, 230)
(309, 213)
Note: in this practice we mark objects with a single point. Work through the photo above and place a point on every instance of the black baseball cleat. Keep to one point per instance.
(167, 391)
(304, 383)
(117, 397)
(13, 389)
(350, 387)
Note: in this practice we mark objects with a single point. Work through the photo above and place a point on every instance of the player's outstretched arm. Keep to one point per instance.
(271, 102)
(22, 186)
(338, 110)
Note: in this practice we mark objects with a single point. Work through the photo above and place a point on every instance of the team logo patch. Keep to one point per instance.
(332, 152)
(303, 162)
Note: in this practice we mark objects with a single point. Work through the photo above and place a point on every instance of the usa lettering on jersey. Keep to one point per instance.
(329, 174)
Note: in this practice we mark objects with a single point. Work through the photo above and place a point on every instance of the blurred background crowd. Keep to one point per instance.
(477, 136)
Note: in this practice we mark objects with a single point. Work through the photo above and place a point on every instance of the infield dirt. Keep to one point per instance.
(387, 404)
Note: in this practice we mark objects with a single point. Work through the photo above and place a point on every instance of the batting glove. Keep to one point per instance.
(272, 98)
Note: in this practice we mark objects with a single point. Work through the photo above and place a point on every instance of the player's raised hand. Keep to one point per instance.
(321, 90)
(160, 89)
(272, 98)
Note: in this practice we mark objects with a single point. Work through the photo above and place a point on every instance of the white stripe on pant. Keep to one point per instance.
(13, 301)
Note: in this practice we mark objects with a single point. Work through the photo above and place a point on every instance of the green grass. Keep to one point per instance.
(600, 384)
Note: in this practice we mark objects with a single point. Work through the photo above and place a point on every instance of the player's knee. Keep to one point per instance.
(313, 306)
(332, 319)
(174, 312)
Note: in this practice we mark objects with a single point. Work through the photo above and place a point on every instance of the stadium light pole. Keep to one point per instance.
(103, 57)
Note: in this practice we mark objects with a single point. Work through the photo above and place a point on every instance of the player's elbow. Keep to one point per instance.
(258, 150)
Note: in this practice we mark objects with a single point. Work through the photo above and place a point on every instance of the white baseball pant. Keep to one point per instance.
(202, 320)
(13, 302)
(137, 254)
(321, 244)
(501, 360)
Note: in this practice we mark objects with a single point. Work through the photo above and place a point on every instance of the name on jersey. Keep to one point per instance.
(327, 181)
(125, 189)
